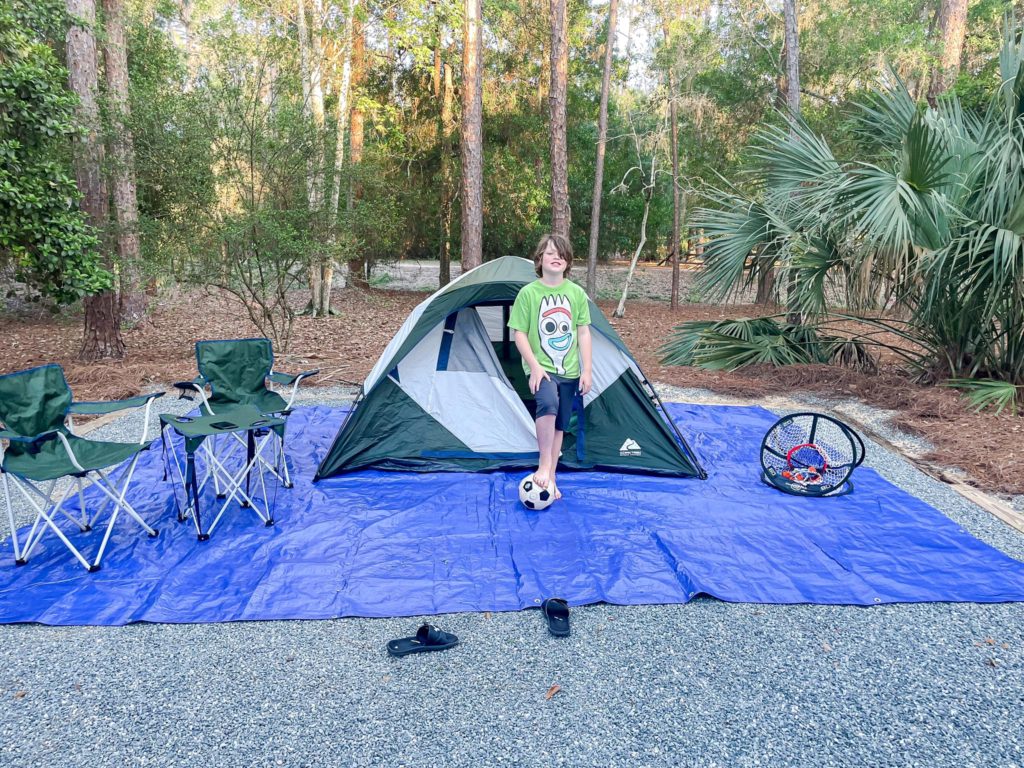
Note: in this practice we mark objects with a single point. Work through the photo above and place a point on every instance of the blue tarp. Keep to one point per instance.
(396, 544)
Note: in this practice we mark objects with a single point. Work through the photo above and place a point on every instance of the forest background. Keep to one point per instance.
(177, 169)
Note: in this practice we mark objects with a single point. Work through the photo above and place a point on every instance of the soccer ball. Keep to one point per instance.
(533, 496)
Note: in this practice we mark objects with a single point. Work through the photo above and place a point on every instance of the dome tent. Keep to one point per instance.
(449, 394)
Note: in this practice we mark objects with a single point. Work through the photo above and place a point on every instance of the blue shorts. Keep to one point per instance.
(555, 398)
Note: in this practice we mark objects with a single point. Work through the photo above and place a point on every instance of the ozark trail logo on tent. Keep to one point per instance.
(630, 448)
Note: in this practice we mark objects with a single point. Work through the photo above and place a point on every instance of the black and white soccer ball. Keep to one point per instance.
(533, 496)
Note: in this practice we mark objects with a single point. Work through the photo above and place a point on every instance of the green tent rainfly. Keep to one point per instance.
(449, 394)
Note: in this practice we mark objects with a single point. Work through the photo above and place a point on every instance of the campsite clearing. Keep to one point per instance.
(986, 448)
(706, 683)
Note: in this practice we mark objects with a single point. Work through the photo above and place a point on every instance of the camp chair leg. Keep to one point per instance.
(10, 518)
(284, 463)
(233, 486)
(35, 532)
(211, 448)
(34, 537)
(120, 502)
(181, 511)
(47, 498)
(274, 468)
(86, 523)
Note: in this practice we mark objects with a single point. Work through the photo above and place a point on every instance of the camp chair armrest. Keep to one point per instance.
(290, 378)
(196, 385)
(293, 379)
(100, 407)
(14, 437)
(97, 408)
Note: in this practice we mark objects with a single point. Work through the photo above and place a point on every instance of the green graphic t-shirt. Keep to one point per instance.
(549, 317)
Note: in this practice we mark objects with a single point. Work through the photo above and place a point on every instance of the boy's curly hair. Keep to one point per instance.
(562, 245)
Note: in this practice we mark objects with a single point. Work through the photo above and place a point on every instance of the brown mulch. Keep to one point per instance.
(989, 448)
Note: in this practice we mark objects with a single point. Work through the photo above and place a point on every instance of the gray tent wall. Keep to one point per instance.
(439, 398)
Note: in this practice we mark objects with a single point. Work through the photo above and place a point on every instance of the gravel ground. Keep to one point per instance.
(703, 684)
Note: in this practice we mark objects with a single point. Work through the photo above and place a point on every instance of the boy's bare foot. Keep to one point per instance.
(554, 486)
(541, 478)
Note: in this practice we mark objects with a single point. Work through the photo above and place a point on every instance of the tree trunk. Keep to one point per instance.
(357, 272)
(765, 286)
(472, 139)
(542, 9)
(102, 334)
(952, 25)
(438, 66)
(185, 8)
(629, 38)
(620, 310)
(602, 137)
(674, 145)
(340, 123)
(792, 59)
(305, 65)
(560, 213)
(133, 299)
(311, 60)
(445, 255)
(793, 104)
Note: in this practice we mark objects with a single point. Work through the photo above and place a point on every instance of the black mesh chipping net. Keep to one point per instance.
(810, 454)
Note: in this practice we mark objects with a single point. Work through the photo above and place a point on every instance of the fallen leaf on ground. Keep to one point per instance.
(21, 694)
(552, 691)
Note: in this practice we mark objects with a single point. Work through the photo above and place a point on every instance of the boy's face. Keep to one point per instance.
(551, 262)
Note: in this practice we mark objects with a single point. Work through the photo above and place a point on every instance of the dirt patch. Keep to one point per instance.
(990, 449)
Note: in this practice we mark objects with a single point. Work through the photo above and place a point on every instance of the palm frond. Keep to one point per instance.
(988, 393)
(808, 271)
(884, 117)
(850, 352)
(678, 349)
(738, 232)
(924, 160)
(731, 344)
(797, 164)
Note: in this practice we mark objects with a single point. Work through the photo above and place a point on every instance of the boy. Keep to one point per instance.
(551, 320)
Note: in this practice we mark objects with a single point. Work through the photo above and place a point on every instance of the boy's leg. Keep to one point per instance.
(556, 452)
(545, 444)
(547, 408)
(567, 391)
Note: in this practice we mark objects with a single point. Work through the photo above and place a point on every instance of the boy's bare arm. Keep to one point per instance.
(586, 345)
(537, 373)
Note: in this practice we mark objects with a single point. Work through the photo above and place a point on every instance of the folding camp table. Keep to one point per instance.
(230, 483)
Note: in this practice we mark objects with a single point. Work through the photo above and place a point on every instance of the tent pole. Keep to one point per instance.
(505, 347)
(686, 445)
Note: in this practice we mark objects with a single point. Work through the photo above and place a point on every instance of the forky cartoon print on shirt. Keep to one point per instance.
(555, 326)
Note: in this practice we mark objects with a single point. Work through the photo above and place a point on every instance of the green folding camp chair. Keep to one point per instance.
(237, 372)
(36, 408)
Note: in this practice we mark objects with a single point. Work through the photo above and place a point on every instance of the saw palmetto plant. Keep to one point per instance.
(926, 224)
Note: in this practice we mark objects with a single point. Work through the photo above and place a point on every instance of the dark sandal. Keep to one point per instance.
(556, 614)
(428, 638)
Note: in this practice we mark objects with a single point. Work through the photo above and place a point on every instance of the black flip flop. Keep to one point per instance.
(556, 614)
(428, 638)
